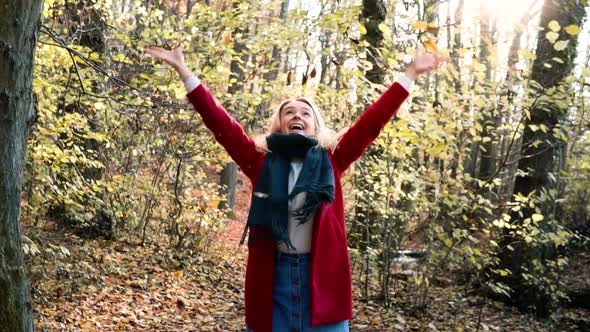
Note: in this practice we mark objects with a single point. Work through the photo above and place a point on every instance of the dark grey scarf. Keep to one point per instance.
(269, 209)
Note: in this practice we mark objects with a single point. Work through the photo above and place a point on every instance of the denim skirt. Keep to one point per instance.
(291, 310)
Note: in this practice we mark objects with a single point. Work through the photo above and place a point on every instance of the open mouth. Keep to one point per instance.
(296, 126)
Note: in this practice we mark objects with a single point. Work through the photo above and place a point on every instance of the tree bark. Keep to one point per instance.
(229, 174)
(511, 146)
(489, 117)
(542, 153)
(373, 13)
(272, 74)
(18, 36)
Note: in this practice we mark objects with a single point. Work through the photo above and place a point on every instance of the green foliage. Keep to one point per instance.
(111, 134)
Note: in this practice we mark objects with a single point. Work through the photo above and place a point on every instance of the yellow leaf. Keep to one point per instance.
(436, 150)
(362, 30)
(561, 45)
(214, 203)
(227, 37)
(432, 28)
(178, 274)
(385, 29)
(419, 25)
(478, 66)
(99, 106)
(573, 29)
(554, 26)
(478, 126)
(537, 217)
(430, 45)
(552, 36)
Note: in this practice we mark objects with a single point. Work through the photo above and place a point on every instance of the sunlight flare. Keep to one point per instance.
(509, 11)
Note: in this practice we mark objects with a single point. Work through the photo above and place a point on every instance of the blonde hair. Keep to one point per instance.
(327, 138)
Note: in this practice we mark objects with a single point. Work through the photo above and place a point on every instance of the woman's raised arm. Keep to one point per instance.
(368, 126)
(227, 131)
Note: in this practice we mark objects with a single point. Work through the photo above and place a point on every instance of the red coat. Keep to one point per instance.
(331, 283)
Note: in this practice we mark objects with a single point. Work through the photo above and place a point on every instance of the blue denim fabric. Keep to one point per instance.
(291, 310)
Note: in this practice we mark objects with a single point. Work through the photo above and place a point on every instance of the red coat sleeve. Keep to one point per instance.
(368, 126)
(227, 131)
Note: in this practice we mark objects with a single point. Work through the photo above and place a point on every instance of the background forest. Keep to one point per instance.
(472, 203)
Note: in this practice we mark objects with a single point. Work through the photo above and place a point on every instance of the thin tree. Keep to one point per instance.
(373, 13)
(229, 174)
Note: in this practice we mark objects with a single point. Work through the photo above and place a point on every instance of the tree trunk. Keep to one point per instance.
(541, 151)
(229, 174)
(271, 75)
(373, 13)
(18, 36)
(511, 145)
(489, 116)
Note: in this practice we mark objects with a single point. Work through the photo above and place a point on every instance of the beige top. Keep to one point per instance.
(300, 235)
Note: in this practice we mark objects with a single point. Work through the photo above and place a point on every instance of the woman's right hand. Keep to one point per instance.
(175, 58)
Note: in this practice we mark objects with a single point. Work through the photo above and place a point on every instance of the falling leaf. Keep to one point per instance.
(313, 73)
(420, 25)
(227, 37)
(430, 45)
(432, 28)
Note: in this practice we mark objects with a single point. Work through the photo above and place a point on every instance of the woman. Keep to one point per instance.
(298, 274)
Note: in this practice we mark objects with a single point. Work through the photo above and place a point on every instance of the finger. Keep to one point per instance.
(155, 48)
(420, 50)
(154, 51)
(436, 60)
(178, 43)
(150, 52)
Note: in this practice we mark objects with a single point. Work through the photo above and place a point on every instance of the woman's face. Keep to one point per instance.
(297, 118)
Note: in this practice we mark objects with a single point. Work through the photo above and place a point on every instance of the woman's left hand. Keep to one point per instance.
(424, 63)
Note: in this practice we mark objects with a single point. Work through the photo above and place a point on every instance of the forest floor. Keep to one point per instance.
(115, 285)
(100, 285)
